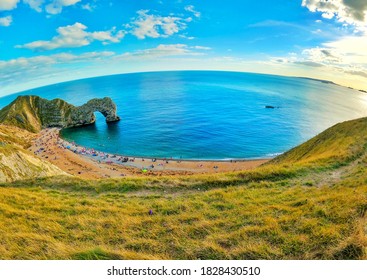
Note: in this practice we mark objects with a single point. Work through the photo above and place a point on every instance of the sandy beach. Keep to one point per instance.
(91, 164)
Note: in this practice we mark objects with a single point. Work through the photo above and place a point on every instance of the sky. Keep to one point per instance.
(49, 41)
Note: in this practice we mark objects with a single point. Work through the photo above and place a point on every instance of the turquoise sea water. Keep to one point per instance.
(206, 114)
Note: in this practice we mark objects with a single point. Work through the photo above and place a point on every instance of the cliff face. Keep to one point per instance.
(34, 113)
(16, 162)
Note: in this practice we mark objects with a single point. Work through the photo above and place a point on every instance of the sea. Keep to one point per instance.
(207, 115)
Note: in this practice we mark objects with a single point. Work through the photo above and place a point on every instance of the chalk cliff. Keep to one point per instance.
(16, 162)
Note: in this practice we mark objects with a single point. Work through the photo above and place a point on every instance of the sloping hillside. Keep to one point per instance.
(339, 144)
(32, 112)
(309, 203)
(16, 163)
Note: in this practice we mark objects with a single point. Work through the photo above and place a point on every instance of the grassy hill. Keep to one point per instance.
(309, 203)
(22, 113)
(339, 144)
(33, 112)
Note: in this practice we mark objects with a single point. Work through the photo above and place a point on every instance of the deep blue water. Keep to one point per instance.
(206, 114)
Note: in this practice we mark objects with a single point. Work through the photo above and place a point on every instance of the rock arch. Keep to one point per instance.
(34, 113)
(84, 114)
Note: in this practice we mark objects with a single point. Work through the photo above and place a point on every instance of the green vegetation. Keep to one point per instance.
(309, 203)
(22, 113)
(33, 112)
(337, 145)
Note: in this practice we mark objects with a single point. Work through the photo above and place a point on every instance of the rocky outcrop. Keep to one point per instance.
(16, 162)
(34, 113)
(85, 114)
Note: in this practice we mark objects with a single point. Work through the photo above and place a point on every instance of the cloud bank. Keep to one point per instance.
(7, 5)
(352, 12)
(155, 26)
(43, 69)
(73, 36)
(6, 21)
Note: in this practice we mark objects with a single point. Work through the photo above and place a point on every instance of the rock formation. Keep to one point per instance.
(16, 162)
(34, 113)
(85, 114)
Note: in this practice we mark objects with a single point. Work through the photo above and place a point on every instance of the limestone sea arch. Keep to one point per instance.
(34, 113)
(84, 114)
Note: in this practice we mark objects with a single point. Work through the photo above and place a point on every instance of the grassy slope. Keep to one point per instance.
(339, 144)
(15, 136)
(309, 203)
(22, 113)
(33, 112)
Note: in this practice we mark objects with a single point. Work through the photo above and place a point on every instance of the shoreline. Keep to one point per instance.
(73, 144)
(93, 164)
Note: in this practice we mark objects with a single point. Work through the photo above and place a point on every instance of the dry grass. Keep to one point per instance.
(257, 220)
(290, 209)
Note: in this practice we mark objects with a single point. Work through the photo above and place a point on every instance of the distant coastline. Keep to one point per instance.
(320, 80)
(331, 83)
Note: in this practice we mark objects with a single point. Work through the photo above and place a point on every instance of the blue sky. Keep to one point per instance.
(50, 41)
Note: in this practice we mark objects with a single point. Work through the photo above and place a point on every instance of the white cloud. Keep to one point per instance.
(322, 55)
(202, 48)
(346, 52)
(362, 73)
(344, 59)
(186, 37)
(6, 21)
(89, 7)
(107, 37)
(69, 36)
(56, 6)
(317, 31)
(26, 63)
(29, 72)
(50, 6)
(354, 47)
(353, 12)
(191, 9)
(309, 63)
(165, 51)
(155, 26)
(72, 36)
(35, 4)
(22, 63)
(7, 5)
(32, 70)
